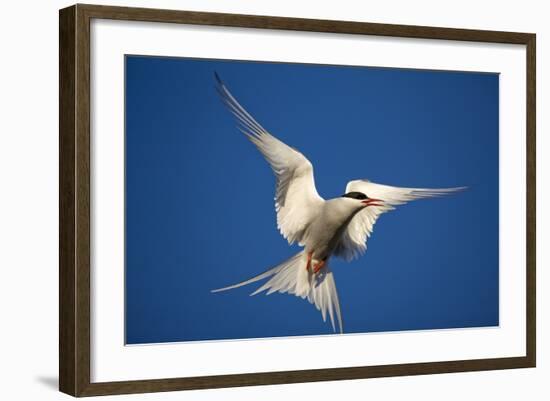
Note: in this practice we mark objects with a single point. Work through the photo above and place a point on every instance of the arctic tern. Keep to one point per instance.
(324, 228)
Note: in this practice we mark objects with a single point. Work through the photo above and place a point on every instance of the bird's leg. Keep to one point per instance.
(309, 256)
(319, 266)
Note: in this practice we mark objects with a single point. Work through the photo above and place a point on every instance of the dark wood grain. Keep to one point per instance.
(82, 201)
(301, 24)
(67, 294)
(531, 228)
(74, 207)
(302, 376)
(74, 199)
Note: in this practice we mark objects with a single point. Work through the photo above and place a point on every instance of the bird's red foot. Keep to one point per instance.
(309, 256)
(318, 266)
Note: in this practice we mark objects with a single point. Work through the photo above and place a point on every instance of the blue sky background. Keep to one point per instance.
(199, 197)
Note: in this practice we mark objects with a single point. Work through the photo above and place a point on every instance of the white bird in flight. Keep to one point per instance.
(324, 228)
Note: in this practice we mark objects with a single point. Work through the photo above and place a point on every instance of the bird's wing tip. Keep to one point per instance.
(218, 79)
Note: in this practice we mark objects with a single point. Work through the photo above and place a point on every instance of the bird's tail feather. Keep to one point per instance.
(292, 277)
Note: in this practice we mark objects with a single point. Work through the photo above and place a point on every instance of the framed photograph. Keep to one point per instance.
(376, 182)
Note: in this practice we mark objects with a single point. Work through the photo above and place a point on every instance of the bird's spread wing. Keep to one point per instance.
(353, 242)
(296, 198)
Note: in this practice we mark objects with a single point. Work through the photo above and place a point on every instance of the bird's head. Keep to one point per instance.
(360, 200)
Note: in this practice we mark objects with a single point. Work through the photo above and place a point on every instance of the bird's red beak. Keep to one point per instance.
(372, 202)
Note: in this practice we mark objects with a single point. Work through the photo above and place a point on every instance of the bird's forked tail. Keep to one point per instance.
(292, 277)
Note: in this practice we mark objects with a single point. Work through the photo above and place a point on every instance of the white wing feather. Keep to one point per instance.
(296, 198)
(354, 239)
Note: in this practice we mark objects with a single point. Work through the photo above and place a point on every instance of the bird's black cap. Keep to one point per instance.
(355, 195)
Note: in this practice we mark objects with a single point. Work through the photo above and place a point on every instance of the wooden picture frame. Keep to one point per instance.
(74, 203)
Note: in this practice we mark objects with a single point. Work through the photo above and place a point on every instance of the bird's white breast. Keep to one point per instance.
(326, 229)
